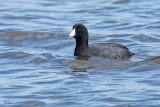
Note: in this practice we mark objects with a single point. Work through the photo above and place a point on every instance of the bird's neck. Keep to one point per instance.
(81, 48)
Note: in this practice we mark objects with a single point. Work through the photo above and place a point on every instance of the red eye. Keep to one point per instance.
(78, 30)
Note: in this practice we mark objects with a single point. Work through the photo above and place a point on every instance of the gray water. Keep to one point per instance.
(37, 66)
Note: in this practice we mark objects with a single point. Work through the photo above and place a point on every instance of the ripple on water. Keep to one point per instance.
(146, 38)
(121, 1)
(38, 59)
(31, 104)
(22, 35)
(14, 55)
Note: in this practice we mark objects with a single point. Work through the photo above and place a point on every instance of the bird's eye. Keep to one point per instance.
(78, 30)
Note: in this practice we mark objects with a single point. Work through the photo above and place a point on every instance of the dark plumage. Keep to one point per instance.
(110, 50)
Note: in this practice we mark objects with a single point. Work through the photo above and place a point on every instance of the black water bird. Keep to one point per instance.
(109, 50)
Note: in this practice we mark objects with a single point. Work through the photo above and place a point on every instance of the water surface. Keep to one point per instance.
(38, 68)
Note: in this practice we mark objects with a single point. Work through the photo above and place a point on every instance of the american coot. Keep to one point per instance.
(110, 50)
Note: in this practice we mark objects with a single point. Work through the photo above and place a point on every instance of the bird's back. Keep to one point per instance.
(110, 50)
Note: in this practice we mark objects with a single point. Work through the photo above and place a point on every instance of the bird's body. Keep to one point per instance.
(110, 50)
